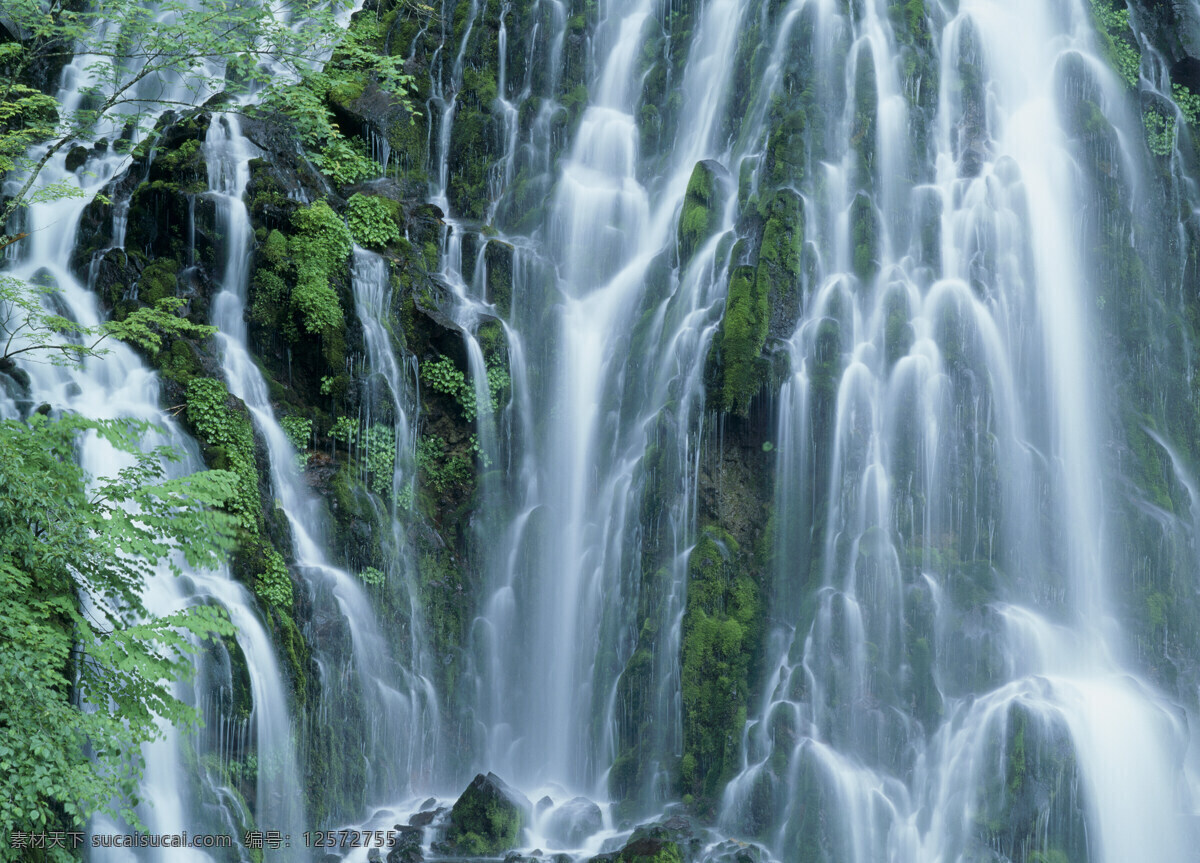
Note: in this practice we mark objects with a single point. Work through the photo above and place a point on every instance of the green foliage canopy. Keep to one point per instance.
(75, 554)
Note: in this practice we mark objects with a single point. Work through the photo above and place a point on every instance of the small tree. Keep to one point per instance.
(63, 536)
(140, 61)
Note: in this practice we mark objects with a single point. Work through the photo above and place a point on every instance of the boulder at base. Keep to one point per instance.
(487, 819)
(573, 822)
(650, 850)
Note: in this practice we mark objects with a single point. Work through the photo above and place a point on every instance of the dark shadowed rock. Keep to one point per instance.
(76, 158)
(425, 818)
(407, 846)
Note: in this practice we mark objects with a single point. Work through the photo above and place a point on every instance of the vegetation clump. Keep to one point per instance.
(321, 245)
(66, 539)
(741, 339)
(701, 215)
(372, 220)
(720, 636)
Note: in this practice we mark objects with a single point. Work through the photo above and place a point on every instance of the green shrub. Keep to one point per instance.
(1116, 39)
(381, 457)
(372, 220)
(1160, 132)
(372, 576)
(344, 430)
(298, 431)
(321, 246)
(273, 585)
(230, 436)
(345, 161)
(275, 249)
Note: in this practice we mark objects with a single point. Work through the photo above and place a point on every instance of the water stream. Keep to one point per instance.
(945, 671)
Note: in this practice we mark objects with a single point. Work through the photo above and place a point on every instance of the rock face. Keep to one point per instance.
(407, 848)
(573, 822)
(487, 819)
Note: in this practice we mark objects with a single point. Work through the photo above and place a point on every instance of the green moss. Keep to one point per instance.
(787, 147)
(484, 824)
(275, 249)
(1015, 773)
(864, 229)
(741, 339)
(179, 362)
(431, 255)
(779, 260)
(498, 258)
(650, 851)
(720, 641)
(700, 216)
(158, 280)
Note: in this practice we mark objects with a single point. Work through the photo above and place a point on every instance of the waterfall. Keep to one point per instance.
(826, 392)
(366, 692)
(118, 386)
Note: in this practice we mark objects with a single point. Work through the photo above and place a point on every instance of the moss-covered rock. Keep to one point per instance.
(650, 850)
(741, 339)
(487, 818)
(720, 640)
(158, 280)
(498, 258)
(780, 262)
(702, 205)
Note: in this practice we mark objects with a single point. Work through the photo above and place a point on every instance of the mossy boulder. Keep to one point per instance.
(649, 849)
(720, 639)
(740, 341)
(498, 257)
(487, 818)
(780, 262)
(77, 156)
(158, 280)
(702, 205)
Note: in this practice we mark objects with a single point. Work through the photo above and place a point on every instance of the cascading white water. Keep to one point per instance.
(370, 278)
(117, 385)
(565, 565)
(946, 400)
(394, 704)
(939, 476)
(943, 644)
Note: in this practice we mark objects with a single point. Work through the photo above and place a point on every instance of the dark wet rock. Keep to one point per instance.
(544, 804)
(425, 818)
(499, 259)
(407, 846)
(76, 158)
(573, 822)
(429, 804)
(433, 300)
(648, 849)
(18, 376)
(374, 855)
(679, 830)
(732, 851)
(487, 819)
